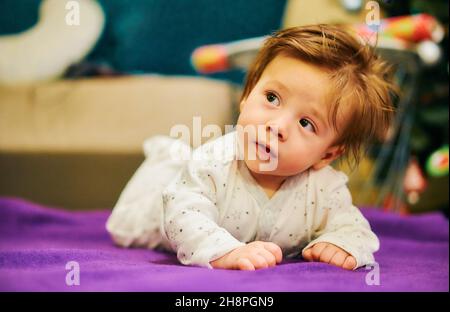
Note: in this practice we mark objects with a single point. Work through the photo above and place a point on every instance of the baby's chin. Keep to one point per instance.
(255, 166)
(262, 167)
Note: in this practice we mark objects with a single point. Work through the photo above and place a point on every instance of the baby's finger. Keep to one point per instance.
(275, 250)
(327, 253)
(307, 254)
(339, 258)
(270, 258)
(258, 261)
(349, 263)
(317, 250)
(245, 264)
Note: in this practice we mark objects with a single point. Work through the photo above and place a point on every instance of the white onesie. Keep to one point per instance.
(204, 207)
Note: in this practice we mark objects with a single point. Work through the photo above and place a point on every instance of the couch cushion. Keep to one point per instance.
(77, 143)
(107, 114)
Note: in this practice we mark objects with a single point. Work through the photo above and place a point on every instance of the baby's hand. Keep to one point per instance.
(254, 255)
(329, 253)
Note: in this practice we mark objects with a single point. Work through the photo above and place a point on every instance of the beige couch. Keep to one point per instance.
(75, 143)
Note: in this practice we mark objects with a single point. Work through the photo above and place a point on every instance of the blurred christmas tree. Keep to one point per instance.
(414, 173)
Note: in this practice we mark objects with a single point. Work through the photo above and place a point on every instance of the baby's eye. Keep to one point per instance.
(305, 123)
(272, 98)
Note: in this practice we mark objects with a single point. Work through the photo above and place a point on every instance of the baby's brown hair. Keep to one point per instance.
(360, 80)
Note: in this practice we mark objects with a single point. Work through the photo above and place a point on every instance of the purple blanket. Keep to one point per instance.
(36, 242)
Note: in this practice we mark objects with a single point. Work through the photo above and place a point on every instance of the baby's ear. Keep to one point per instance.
(332, 153)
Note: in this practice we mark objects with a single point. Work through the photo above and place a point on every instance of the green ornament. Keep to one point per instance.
(437, 163)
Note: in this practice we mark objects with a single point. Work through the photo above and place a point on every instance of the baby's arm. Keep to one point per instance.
(191, 215)
(190, 223)
(346, 239)
(136, 217)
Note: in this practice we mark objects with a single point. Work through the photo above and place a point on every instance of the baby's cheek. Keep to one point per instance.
(291, 164)
(253, 113)
(293, 169)
(245, 120)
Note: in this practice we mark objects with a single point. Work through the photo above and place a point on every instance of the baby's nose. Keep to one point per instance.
(277, 131)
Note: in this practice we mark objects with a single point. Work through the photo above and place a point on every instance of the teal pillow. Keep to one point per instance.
(158, 36)
(17, 16)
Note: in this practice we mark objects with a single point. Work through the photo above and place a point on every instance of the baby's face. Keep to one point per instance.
(288, 105)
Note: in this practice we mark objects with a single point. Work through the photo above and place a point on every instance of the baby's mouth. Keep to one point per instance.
(265, 150)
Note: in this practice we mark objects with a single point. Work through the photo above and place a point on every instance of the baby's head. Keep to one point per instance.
(321, 92)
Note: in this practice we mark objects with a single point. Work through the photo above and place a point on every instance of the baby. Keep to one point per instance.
(267, 190)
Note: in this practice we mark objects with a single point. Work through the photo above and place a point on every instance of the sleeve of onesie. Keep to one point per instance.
(191, 215)
(345, 226)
